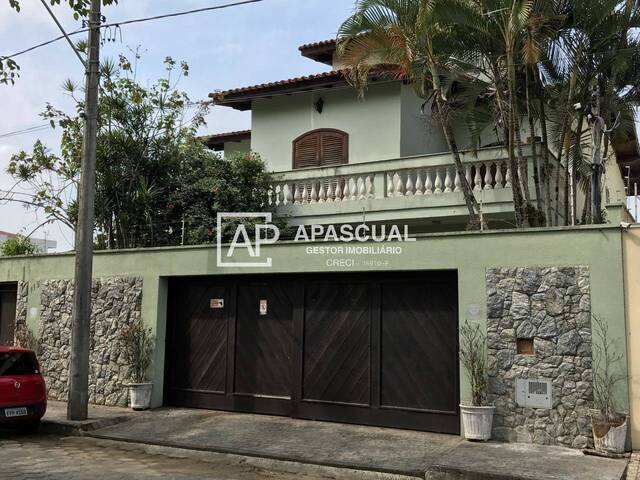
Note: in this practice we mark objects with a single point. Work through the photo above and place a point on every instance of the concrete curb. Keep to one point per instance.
(69, 427)
(265, 457)
(264, 463)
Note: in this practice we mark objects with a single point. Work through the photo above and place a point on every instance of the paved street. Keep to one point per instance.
(69, 458)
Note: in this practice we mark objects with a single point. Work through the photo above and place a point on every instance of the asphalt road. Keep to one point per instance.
(34, 457)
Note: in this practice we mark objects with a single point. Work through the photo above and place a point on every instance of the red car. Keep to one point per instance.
(23, 394)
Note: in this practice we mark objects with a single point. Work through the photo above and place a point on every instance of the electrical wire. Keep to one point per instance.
(25, 131)
(129, 22)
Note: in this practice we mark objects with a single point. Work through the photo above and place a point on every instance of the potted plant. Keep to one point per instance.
(608, 424)
(477, 418)
(137, 342)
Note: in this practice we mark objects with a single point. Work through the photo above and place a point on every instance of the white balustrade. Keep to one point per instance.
(457, 182)
(438, 183)
(419, 183)
(423, 181)
(477, 180)
(447, 181)
(428, 189)
(409, 190)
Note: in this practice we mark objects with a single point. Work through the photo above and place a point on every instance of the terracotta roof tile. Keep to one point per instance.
(237, 97)
(323, 43)
(319, 51)
(216, 141)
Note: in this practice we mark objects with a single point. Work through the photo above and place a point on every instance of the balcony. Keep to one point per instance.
(419, 190)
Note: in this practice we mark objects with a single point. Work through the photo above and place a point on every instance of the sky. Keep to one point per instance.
(236, 47)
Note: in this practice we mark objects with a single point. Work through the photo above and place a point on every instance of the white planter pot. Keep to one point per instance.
(477, 422)
(614, 441)
(140, 395)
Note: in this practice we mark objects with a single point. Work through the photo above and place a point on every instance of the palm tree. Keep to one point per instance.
(409, 39)
(594, 63)
(502, 41)
(569, 68)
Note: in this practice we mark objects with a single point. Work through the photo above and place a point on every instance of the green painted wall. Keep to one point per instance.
(232, 147)
(373, 124)
(420, 133)
(468, 253)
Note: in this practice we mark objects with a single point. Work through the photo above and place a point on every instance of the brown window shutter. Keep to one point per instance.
(321, 147)
(333, 148)
(307, 151)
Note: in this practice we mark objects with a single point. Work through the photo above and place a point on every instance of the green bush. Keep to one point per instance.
(18, 245)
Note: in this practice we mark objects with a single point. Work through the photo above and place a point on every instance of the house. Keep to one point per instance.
(361, 332)
(339, 158)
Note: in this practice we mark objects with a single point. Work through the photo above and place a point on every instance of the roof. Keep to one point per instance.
(319, 51)
(240, 98)
(216, 141)
(7, 234)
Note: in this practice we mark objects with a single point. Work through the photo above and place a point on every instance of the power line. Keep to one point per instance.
(24, 131)
(64, 33)
(129, 22)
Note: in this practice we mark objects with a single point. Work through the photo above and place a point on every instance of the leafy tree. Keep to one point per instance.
(152, 176)
(18, 245)
(239, 183)
(9, 68)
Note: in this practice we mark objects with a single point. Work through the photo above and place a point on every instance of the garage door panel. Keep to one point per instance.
(368, 348)
(263, 342)
(337, 343)
(418, 347)
(200, 333)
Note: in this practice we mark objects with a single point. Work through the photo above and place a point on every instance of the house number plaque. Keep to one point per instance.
(217, 303)
(263, 307)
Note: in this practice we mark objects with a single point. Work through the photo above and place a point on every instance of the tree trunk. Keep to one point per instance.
(523, 168)
(518, 200)
(534, 152)
(546, 167)
(469, 198)
(586, 209)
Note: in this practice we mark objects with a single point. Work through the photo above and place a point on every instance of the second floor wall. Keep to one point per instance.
(389, 122)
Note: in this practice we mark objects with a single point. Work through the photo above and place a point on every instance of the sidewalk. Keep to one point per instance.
(381, 450)
(55, 420)
(633, 472)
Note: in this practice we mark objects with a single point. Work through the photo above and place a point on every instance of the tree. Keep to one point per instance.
(18, 245)
(409, 40)
(239, 183)
(9, 68)
(152, 177)
(553, 65)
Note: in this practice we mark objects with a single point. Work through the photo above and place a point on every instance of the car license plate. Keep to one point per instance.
(16, 412)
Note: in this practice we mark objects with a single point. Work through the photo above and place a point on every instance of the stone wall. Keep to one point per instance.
(116, 302)
(552, 306)
(21, 330)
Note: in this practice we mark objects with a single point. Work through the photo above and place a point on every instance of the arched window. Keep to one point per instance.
(319, 148)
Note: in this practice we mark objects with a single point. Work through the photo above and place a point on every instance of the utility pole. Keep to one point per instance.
(77, 408)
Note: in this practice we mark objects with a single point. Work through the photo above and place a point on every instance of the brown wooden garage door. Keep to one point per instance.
(374, 349)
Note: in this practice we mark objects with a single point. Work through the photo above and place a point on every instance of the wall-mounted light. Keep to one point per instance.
(319, 105)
